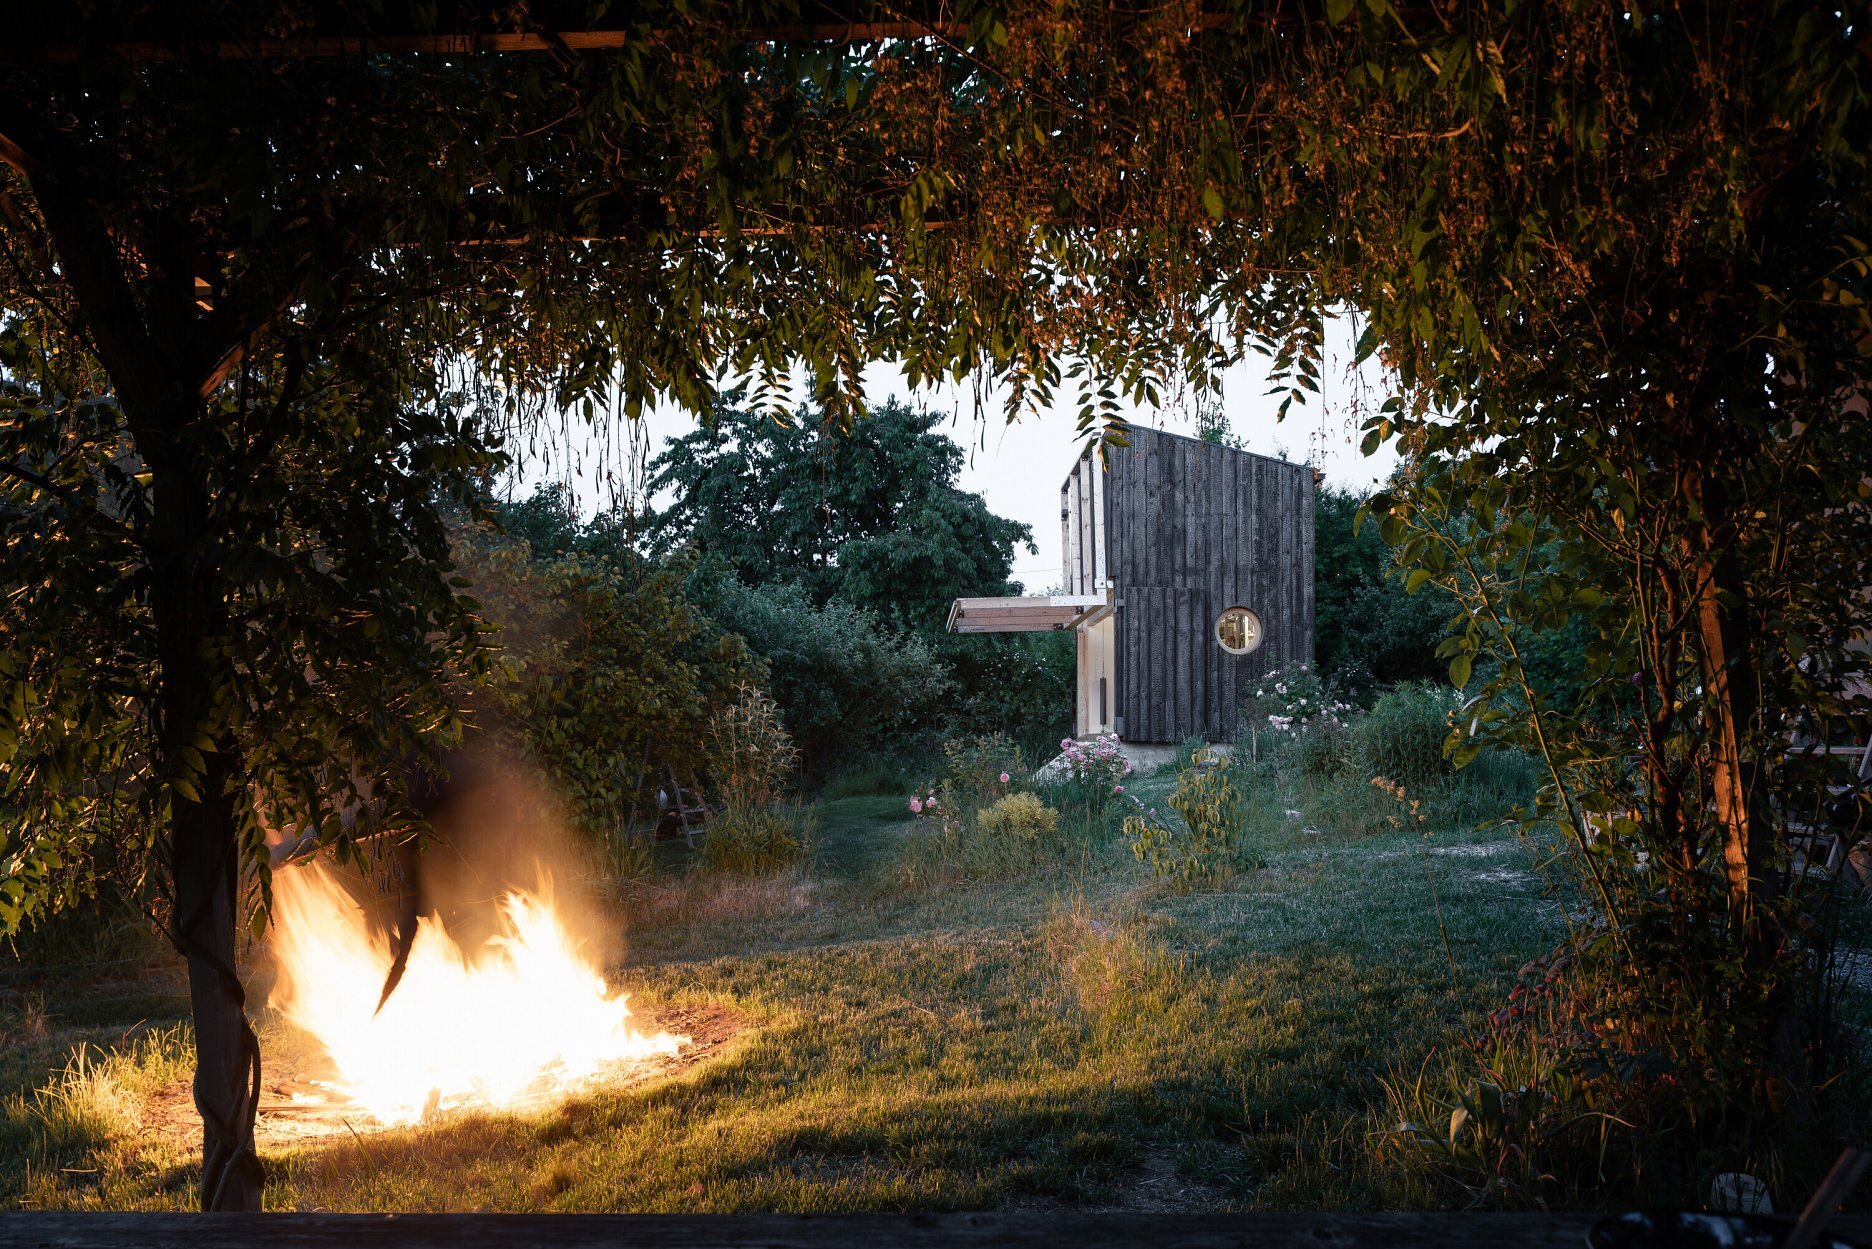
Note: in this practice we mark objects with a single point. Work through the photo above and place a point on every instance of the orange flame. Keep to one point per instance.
(508, 1025)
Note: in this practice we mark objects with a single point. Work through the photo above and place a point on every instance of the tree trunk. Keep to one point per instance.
(189, 608)
(227, 1055)
(1731, 699)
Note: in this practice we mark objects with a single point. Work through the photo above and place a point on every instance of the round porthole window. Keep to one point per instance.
(1239, 630)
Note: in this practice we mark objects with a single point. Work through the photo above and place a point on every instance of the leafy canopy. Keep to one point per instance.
(872, 515)
(1617, 257)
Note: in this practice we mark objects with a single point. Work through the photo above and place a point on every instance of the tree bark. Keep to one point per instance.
(1731, 701)
(227, 1054)
(189, 607)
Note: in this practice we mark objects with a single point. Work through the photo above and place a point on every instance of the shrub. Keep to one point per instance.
(608, 677)
(847, 684)
(1572, 1087)
(1295, 714)
(1188, 752)
(1015, 832)
(750, 841)
(1019, 817)
(1402, 736)
(1019, 684)
(1324, 750)
(1205, 841)
(750, 757)
(1089, 773)
(750, 752)
(979, 770)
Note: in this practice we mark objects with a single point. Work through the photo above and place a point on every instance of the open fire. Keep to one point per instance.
(509, 1023)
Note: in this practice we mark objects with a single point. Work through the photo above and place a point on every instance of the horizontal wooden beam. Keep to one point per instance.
(1029, 613)
(469, 40)
(453, 44)
(1015, 1230)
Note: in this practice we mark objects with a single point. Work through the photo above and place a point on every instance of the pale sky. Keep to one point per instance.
(1018, 468)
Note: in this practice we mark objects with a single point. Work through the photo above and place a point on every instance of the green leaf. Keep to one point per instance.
(1459, 670)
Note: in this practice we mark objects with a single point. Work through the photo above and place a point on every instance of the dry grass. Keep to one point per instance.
(1070, 1037)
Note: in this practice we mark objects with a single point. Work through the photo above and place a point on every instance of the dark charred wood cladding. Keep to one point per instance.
(1186, 530)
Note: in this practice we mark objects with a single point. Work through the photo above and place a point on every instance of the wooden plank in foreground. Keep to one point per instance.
(1077, 1230)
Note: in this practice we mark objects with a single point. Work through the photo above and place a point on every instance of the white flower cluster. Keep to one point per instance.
(1302, 701)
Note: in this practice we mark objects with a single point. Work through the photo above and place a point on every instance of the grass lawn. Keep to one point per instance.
(1081, 1037)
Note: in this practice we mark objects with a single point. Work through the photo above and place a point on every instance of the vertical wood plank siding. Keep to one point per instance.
(1191, 529)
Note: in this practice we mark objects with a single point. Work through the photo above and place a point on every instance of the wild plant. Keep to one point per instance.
(979, 770)
(750, 752)
(978, 821)
(1295, 713)
(1090, 773)
(1403, 736)
(751, 841)
(751, 756)
(1020, 818)
(1205, 841)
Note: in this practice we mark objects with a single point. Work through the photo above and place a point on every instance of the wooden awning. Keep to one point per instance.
(1030, 613)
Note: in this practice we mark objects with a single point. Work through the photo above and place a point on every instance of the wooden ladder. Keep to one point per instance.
(690, 813)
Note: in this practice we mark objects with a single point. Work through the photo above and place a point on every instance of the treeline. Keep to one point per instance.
(814, 562)
(818, 563)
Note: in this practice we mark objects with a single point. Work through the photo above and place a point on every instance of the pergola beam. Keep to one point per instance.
(467, 32)
(1033, 613)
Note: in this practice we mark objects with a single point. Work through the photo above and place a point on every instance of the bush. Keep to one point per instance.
(1294, 717)
(1578, 1085)
(978, 770)
(1324, 751)
(847, 684)
(1089, 773)
(609, 676)
(972, 823)
(1371, 633)
(750, 757)
(1019, 817)
(750, 752)
(1401, 738)
(1017, 684)
(1206, 841)
(752, 841)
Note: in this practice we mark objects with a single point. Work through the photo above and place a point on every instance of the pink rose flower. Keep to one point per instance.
(916, 808)
(1004, 778)
(1117, 789)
